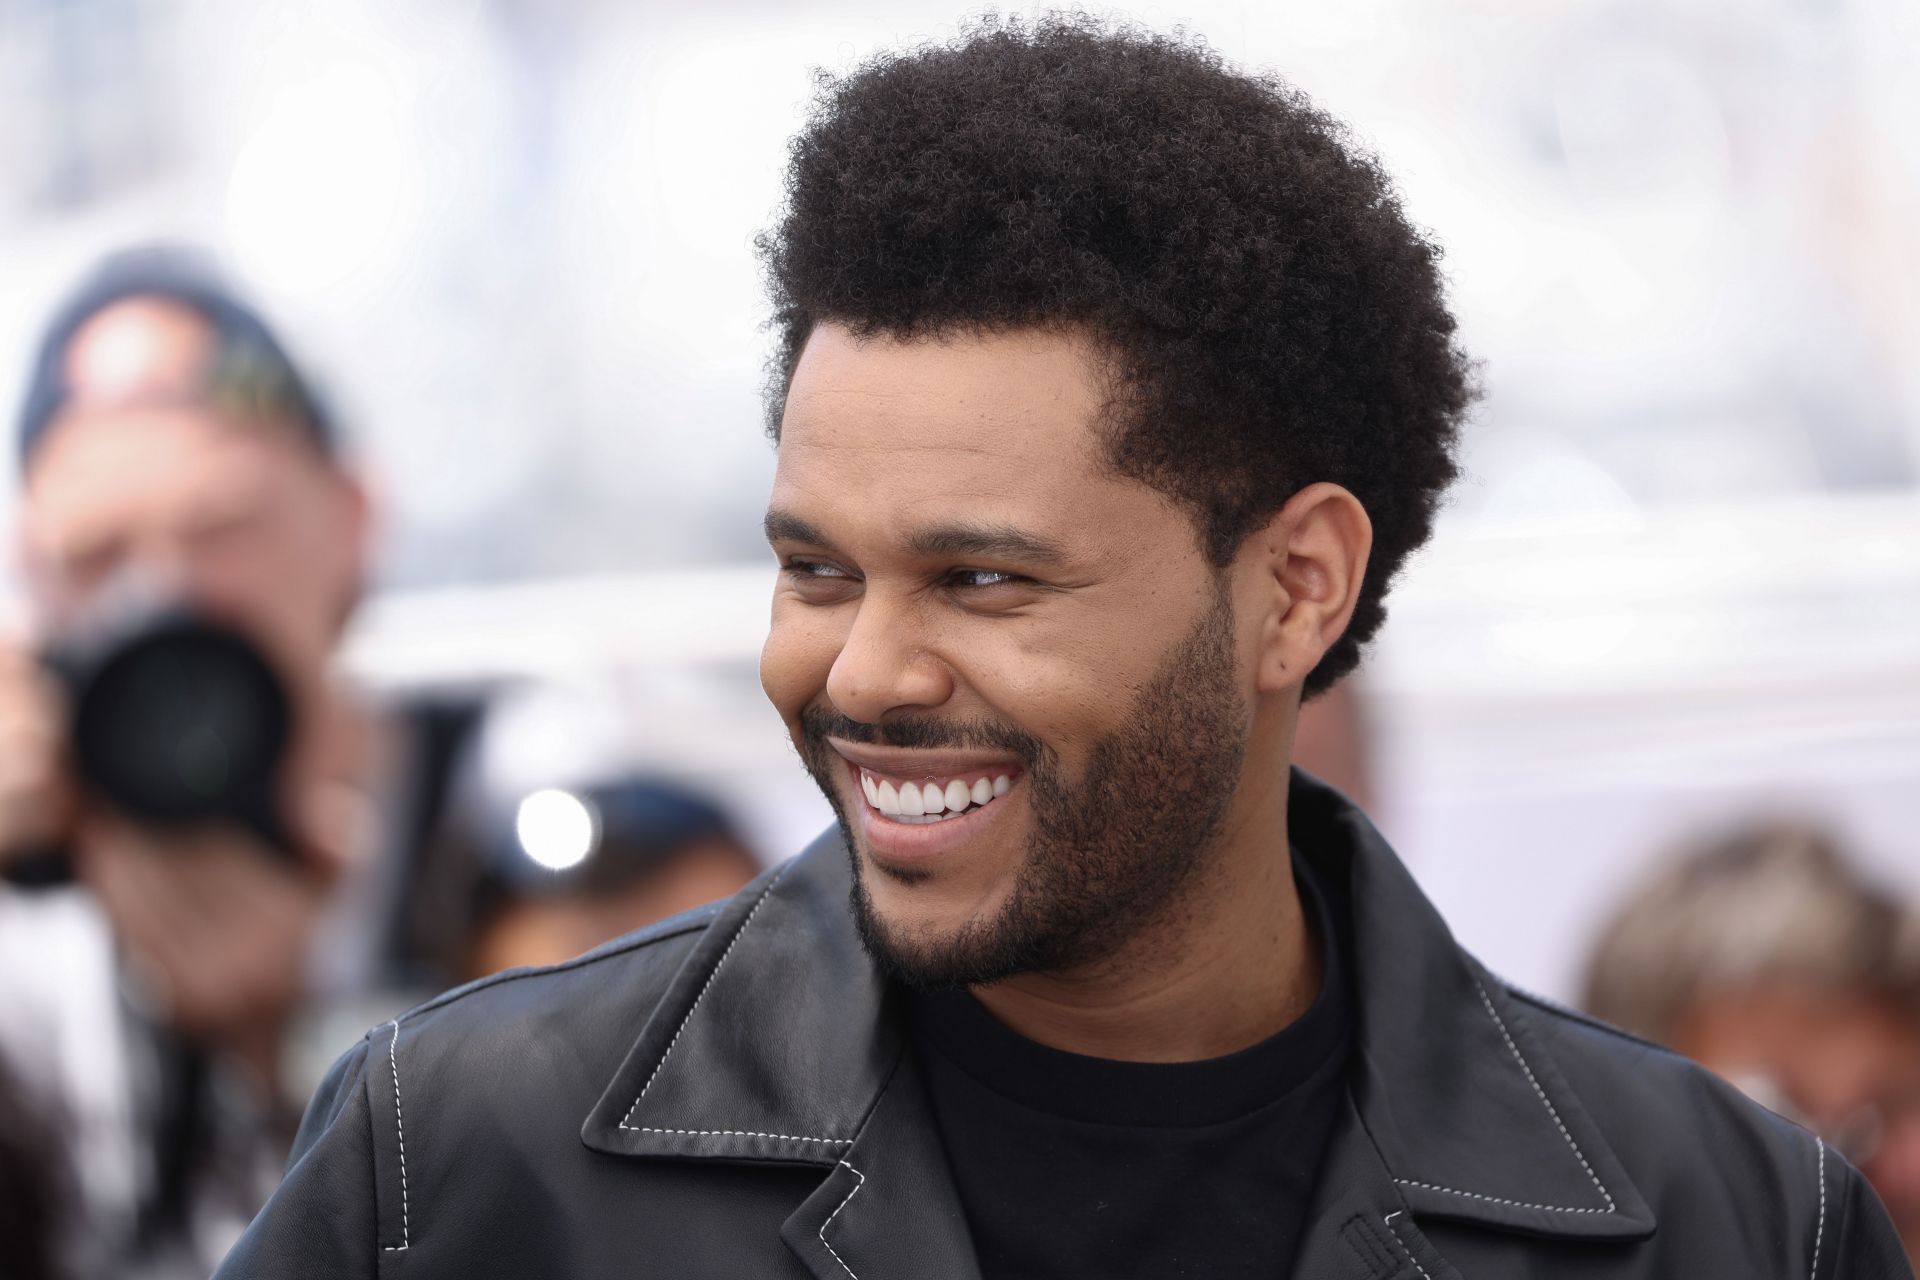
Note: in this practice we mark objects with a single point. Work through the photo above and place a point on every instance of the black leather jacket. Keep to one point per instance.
(726, 1094)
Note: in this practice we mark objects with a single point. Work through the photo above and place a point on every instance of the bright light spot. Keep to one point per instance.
(557, 829)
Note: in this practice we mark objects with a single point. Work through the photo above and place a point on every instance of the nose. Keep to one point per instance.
(886, 664)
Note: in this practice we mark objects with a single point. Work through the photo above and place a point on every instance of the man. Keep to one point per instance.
(1765, 955)
(172, 457)
(1113, 389)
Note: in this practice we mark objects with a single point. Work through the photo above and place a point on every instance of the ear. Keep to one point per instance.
(1305, 567)
(357, 502)
(356, 506)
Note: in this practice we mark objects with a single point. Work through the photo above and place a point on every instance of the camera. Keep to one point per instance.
(178, 720)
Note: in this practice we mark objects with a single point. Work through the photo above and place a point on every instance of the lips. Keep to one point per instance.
(919, 803)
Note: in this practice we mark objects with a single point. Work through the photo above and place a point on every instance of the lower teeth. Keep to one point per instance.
(921, 820)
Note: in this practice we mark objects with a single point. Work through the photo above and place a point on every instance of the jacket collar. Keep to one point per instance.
(1470, 1115)
(778, 1040)
(773, 1041)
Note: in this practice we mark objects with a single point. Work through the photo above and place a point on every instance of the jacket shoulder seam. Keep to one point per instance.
(665, 931)
(1554, 1008)
(1820, 1223)
(678, 926)
(400, 1134)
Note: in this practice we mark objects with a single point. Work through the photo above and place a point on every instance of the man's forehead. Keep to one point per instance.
(1011, 393)
(933, 493)
(109, 466)
(985, 445)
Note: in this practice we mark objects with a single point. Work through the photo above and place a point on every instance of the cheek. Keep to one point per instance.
(1068, 692)
(802, 643)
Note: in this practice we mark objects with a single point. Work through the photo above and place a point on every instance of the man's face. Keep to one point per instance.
(244, 518)
(1014, 674)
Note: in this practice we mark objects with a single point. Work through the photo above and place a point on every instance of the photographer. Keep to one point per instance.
(175, 465)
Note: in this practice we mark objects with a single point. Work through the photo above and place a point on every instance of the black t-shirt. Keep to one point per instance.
(1073, 1166)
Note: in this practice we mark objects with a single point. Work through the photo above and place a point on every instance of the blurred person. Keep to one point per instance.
(36, 1196)
(1765, 955)
(571, 868)
(1113, 388)
(169, 451)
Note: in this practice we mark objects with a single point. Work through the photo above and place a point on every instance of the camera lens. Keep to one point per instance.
(182, 720)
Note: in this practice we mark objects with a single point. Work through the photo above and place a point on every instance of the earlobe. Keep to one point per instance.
(1276, 604)
(1313, 557)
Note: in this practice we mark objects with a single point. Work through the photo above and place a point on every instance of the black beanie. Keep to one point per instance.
(249, 364)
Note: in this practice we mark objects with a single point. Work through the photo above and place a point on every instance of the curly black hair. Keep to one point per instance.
(1270, 317)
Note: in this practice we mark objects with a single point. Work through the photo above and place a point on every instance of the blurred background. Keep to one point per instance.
(514, 240)
(512, 244)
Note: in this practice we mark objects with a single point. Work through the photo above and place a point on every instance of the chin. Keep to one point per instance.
(930, 937)
(921, 903)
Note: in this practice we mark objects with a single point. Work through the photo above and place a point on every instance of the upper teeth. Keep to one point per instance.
(933, 799)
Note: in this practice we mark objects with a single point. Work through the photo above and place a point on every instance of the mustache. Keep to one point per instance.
(818, 723)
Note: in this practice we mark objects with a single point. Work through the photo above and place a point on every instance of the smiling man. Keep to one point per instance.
(1039, 706)
(1113, 390)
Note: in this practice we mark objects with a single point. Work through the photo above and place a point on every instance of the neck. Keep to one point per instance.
(1233, 965)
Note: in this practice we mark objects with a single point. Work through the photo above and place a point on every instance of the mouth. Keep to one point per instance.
(933, 799)
(907, 795)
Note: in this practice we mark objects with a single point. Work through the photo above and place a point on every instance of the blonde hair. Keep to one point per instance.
(1773, 900)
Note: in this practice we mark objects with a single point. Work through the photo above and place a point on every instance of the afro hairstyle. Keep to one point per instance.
(1268, 316)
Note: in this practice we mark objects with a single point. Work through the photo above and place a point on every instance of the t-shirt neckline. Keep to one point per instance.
(1149, 1094)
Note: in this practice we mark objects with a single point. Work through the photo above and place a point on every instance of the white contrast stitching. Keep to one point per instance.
(1403, 1245)
(740, 1133)
(1821, 1230)
(1559, 1124)
(836, 1213)
(671, 1044)
(1475, 1195)
(400, 1127)
(704, 988)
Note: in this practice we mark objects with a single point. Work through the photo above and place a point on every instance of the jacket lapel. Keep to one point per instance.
(889, 1209)
(1357, 1227)
(1464, 1110)
(774, 1039)
(778, 1041)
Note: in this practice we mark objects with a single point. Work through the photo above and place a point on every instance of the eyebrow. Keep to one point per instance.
(956, 538)
(784, 526)
(969, 538)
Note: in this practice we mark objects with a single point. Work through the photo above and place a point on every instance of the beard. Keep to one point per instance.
(1112, 853)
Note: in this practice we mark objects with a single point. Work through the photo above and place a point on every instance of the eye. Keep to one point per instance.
(977, 578)
(819, 582)
(90, 566)
(224, 527)
(813, 570)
